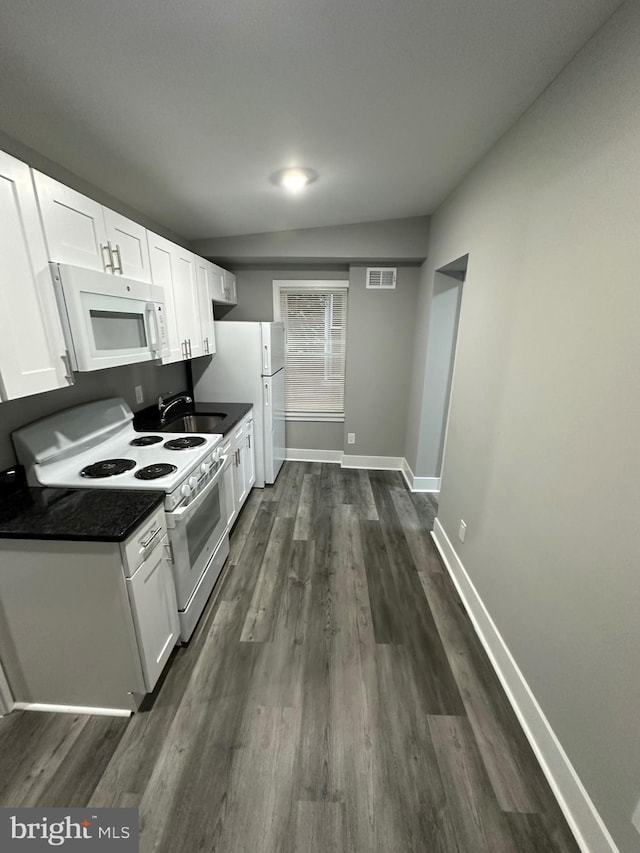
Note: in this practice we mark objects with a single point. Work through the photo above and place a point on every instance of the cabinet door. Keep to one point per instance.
(240, 486)
(32, 350)
(204, 282)
(217, 283)
(249, 458)
(186, 301)
(161, 258)
(73, 225)
(128, 241)
(155, 612)
(230, 287)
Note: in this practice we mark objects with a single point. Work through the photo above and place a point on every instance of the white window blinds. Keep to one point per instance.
(315, 322)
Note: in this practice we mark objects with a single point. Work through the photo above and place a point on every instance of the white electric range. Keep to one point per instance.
(96, 446)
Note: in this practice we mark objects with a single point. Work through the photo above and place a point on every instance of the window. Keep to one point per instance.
(314, 314)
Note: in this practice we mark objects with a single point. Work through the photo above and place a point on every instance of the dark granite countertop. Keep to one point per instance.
(85, 515)
(147, 420)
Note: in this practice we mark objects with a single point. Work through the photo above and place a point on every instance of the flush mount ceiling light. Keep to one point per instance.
(295, 179)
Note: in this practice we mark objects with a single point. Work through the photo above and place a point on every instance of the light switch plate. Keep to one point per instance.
(635, 817)
(139, 394)
(351, 438)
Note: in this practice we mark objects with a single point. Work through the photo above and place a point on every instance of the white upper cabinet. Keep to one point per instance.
(217, 282)
(205, 285)
(161, 253)
(81, 232)
(32, 350)
(174, 269)
(129, 248)
(230, 287)
(185, 296)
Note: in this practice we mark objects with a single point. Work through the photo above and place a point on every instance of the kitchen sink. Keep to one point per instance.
(195, 423)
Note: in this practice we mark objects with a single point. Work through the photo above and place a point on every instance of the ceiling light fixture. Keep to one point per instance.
(295, 179)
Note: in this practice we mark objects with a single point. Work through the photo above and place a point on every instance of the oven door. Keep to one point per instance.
(108, 320)
(195, 531)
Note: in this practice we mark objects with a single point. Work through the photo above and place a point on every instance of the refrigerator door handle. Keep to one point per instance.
(266, 394)
(266, 358)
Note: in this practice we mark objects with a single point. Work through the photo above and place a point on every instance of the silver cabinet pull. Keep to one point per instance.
(116, 253)
(183, 345)
(67, 366)
(152, 535)
(249, 441)
(108, 260)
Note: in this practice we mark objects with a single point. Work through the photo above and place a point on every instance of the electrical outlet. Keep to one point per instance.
(351, 438)
(139, 394)
(635, 817)
(462, 530)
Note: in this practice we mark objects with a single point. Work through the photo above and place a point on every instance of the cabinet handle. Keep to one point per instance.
(67, 366)
(249, 441)
(108, 261)
(152, 535)
(190, 353)
(183, 346)
(116, 252)
(206, 346)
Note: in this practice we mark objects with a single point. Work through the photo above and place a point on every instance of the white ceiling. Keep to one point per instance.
(182, 110)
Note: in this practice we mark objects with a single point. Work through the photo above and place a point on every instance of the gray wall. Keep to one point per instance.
(379, 349)
(255, 302)
(402, 240)
(543, 451)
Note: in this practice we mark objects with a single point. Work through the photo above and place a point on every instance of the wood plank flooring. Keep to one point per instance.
(333, 698)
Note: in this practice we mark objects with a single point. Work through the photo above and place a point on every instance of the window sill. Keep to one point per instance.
(315, 416)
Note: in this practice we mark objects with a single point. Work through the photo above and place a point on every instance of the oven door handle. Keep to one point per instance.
(181, 513)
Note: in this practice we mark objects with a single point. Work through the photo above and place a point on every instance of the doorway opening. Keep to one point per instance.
(444, 319)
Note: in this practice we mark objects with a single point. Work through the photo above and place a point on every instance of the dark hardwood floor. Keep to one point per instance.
(333, 698)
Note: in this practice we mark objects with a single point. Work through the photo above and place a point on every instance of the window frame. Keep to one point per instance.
(341, 285)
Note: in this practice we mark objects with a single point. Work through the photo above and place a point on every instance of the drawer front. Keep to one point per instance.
(142, 542)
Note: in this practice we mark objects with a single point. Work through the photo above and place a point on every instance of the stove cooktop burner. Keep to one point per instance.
(107, 468)
(145, 440)
(152, 472)
(184, 442)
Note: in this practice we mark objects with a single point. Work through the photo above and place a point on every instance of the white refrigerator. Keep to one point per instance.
(248, 367)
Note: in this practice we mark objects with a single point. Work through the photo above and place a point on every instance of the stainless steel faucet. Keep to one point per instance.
(163, 407)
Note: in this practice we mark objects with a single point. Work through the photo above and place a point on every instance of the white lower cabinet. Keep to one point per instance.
(32, 350)
(155, 611)
(105, 617)
(240, 469)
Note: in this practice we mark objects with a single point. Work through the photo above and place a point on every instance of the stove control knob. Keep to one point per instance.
(185, 491)
(204, 469)
(193, 483)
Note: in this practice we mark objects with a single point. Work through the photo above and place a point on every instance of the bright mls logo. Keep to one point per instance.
(102, 830)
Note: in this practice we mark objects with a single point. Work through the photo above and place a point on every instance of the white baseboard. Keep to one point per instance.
(380, 463)
(419, 484)
(71, 709)
(298, 454)
(582, 816)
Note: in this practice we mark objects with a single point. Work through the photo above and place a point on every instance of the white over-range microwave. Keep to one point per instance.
(108, 320)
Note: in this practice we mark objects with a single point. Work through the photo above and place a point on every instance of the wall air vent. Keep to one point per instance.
(381, 278)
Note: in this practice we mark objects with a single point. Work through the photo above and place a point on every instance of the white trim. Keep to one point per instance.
(419, 484)
(72, 709)
(6, 696)
(299, 454)
(381, 463)
(304, 284)
(582, 816)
